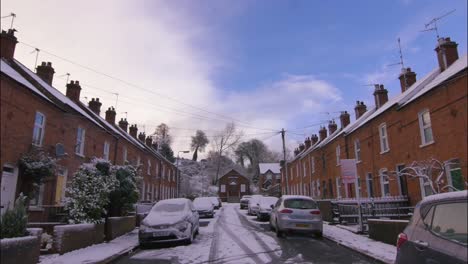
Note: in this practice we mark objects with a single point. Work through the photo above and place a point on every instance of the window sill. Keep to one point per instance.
(35, 208)
(80, 155)
(426, 144)
(386, 151)
(359, 161)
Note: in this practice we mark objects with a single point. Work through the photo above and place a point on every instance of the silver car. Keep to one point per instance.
(254, 204)
(264, 209)
(169, 220)
(437, 232)
(204, 206)
(296, 213)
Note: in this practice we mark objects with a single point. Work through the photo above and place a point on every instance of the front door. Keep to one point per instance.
(233, 194)
(8, 187)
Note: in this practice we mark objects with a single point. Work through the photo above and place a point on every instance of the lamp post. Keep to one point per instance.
(177, 171)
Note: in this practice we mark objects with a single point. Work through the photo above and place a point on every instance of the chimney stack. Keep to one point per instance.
(359, 109)
(344, 119)
(447, 53)
(322, 133)
(7, 44)
(95, 106)
(149, 141)
(301, 147)
(154, 146)
(314, 139)
(133, 131)
(123, 124)
(332, 126)
(45, 72)
(110, 115)
(142, 136)
(307, 143)
(407, 78)
(296, 151)
(73, 91)
(380, 95)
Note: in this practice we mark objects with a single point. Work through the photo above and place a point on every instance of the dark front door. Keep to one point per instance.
(233, 194)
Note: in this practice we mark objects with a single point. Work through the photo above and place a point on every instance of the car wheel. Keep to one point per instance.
(272, 228)
(143, 245)
(319, 234)
(279, 233)
(189, 240)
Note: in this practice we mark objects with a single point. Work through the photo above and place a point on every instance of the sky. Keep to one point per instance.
(264, 65)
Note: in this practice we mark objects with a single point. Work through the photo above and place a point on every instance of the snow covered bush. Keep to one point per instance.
(35, 166)
(89, 192)
(14, 220)
(126, 193)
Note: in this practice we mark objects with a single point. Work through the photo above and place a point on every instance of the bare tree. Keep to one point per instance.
(199, 142)
(161, 135)
(224, 141)
(431, 171)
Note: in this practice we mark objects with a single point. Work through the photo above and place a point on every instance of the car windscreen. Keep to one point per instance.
(268, 200)
(202, 202)
(168, 208)
(297, 203)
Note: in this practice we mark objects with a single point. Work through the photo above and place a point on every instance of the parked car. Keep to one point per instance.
(437, 231)
(204, 206)
(169, 220)
(244, 201)
(216, 202)
(264, 209)
(254, 203)
(296, 213)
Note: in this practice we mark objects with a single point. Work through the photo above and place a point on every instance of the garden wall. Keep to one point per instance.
(386, 230)
(71, 237)
(117, 226)
(25, 249)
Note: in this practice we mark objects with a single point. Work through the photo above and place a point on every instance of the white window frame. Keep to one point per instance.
(223, 188)
(38, 130)
(338, 154)
(357, 150)
(304, 172)
(383, 135)
(242, 188)
(423, 127)
(338, 187)
(312, 164)
(124, 155)
(400, 191)
(383, 173)
(80, 141)
(423, 183)
(106, 150)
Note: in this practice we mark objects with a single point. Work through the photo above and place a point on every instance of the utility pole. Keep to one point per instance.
(285, 162)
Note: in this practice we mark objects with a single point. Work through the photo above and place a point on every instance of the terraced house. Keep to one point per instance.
(427, 120)
(34, 114)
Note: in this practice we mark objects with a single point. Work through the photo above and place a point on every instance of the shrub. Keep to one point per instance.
(14, 220)
(126, 193)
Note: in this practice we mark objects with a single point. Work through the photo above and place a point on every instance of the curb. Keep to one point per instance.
(117, 255)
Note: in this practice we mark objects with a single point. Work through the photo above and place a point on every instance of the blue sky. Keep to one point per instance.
(268, 64)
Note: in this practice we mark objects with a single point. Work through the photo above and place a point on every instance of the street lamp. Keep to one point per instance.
(177, 170)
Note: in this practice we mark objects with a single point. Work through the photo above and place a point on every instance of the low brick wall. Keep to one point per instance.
(20, 250)
(117, 226)
(47, 227)
(325, 207)
(386, 230)
(71, 237)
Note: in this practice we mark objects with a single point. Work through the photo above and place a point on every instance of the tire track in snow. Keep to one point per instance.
(215, 240)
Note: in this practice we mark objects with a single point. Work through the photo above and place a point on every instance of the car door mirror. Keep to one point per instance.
(272, 206)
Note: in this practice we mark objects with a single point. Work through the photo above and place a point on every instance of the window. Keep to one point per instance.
(317, 184)
(80, 141)
(425, 127)
(358, 189)
(383, 138)
(61, 186)
(38, 197)
(330, 187)
(312, 164)
(426, 188)
(370, 185)
(148, 168)
(38, 131)
(449, 221)
(384, 182)
(454, 174)
(223, 188)
(124, 155)
(242, 187)
(338, 188)
(357, 150)
(304, 173)
(138, 162)
(337, 155)
(106, 150)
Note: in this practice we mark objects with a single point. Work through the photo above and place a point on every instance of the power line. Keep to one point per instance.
(133, 85)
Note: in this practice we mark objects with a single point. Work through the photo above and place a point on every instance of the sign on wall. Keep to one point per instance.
(348, 170)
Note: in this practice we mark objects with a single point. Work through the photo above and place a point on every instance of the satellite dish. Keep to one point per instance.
(60, 150)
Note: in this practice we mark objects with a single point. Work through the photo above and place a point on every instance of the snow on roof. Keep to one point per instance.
(296, 197)
(446, 196)
(12, 73)
(273, 167)
(174, 201)
(56, 93)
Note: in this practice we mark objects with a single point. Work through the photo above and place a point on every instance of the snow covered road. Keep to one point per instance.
(233, 237)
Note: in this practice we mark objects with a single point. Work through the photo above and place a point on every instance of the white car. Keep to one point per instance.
(265, 205)
(204, 206)
(169, 220)
(254, 204)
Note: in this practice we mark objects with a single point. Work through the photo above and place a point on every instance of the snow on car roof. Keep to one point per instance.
(174, 201)
(446, 196)
(296, 197)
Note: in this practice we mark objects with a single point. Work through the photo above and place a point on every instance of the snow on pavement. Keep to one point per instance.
(95, 253)
(360, 243)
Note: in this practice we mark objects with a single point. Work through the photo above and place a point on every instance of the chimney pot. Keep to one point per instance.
(45, 71)
(307, 143)
(344, 119)
(123, 124)
(95, 106)
(380, 95)
(407, 78)
(149, 141)
(314, 139)
(133, 131)
(322, 133)
(142, 136)
(8, 44)
(447, 52)
(110, 115)
(73, 91)
(359, 109)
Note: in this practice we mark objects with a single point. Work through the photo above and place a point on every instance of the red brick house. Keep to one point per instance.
(33, 113)
(269, 180)
(428, 119)
(233, 185)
